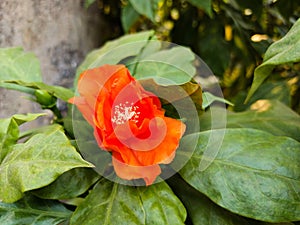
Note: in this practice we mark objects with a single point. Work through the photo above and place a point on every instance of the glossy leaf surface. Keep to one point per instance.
(15, 64)
(33, 211)
(69, 185)
(286, 50)
(266, 115)
(146, 8)
(9, 131)
(254, 174)
(114, 51)
(112, 203)
(37, 163)
(167, 67)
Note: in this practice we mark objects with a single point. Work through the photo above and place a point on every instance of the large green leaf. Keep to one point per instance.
(57, 91)
(9, 131)
(15, 64)
(161, 205)
(254, 174)
(286, 50)
(114, 51)
(201, 209)
(146, 8)
(42, 129)
(128, 17)
(33, 211)
(112, 203)
(173, 92)
(278, 90)
(69, 185)
(167, 67)
(203, 4)
(271, 116)
(37, 163)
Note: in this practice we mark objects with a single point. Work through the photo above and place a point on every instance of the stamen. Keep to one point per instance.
(124, 112)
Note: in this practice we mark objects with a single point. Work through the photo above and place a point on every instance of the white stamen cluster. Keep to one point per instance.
(124, 112)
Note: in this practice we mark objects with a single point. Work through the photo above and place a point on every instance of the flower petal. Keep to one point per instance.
(128, 172)
(128, 121)
(84, 108)
(92, 82)
(161, 154)
(164, 153)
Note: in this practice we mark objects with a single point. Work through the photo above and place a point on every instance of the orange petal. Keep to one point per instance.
(130, 135)
(93, 81)
(127, 172)
(165, 152)
(161, 154)
(84, 108)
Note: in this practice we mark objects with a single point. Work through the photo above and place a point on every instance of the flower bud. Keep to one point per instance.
(45, 99)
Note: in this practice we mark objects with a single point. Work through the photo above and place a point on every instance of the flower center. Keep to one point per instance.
(124, 112)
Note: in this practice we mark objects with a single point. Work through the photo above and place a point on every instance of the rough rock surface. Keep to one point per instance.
(60, 33)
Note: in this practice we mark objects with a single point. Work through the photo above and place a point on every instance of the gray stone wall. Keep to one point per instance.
(60, 33)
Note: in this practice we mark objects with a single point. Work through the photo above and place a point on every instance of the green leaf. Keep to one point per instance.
(9, 135)
(203, 4)
(33, 211)
(15, 64)
(37, 163)
(209, 98)
(286, 50)
(57, 91)
(88, 3)
(174, 92)
(86, 143)
(128, 17)
(146, 8)
(23, 118)
(201, 209)
(266, 115)
(69, 185)
(161, 205)
(112, 203)
(254, 174)
(167, 67)
(279, 90)
(42, 129)
(114, 51)
(9, 131)
(21, 71)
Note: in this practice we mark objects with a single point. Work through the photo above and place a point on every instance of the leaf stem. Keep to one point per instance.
(57, 114)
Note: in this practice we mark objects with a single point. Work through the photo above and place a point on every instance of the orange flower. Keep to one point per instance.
(128, 121)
